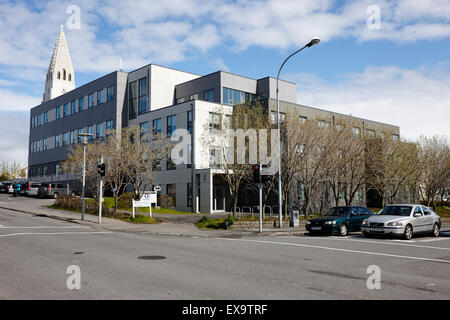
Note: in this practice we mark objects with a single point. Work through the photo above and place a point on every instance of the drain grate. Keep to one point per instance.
(152, 257)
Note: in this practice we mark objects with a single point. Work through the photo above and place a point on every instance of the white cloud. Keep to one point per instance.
(14, 132)
(12, 101)
(417, 100)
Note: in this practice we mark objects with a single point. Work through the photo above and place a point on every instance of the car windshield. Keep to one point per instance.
(396, 211)
(337, 211)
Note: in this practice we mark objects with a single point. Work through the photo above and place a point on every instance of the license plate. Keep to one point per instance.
(316, 228)
(377, 229)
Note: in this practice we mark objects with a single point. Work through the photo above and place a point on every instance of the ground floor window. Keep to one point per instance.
(172, 191)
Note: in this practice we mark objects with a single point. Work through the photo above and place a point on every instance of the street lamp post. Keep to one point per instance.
(309, 44)
(84, 141)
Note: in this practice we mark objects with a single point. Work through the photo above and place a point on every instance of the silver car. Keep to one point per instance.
(404, 220)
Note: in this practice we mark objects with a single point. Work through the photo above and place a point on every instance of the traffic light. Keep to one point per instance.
(256, 172)
(101, 169)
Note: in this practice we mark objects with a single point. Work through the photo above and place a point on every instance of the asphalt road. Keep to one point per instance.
(35, 253)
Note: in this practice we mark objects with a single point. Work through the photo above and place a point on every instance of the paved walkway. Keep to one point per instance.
(172, 224)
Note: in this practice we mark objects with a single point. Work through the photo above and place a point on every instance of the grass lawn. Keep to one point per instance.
(109, 201)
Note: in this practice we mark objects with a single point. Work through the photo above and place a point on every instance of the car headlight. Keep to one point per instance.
(364, 223)
(308, 222)
(395, 224)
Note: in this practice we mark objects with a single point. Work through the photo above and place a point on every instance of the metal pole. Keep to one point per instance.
(100, 196)
(311, 43)
(260, 199)
(84, 180)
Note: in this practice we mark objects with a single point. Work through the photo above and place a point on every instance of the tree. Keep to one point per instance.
(74, 165)
(435, 153)
(308, 143)
(149, 148)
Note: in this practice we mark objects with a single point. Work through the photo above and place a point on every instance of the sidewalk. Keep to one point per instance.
(172, 225)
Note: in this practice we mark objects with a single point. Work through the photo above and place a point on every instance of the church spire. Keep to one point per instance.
(60, 75)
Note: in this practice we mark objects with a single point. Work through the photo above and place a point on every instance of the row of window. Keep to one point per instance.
(138, 97)
(234, 97)
(75, 106)
(71, 137)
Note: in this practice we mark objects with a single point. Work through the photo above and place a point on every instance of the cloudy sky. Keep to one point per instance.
(384, 60)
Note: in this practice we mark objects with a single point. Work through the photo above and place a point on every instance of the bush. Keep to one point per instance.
(166, 201)
(74, 203)
(125, 201)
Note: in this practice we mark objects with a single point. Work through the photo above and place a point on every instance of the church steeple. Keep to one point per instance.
(60, 76)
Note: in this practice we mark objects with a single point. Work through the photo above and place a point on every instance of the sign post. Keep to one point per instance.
(101, 171)
(148, 198)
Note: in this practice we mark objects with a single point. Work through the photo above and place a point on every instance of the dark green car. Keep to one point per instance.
(340, 220)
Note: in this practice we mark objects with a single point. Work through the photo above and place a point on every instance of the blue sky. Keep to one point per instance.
(398, 73)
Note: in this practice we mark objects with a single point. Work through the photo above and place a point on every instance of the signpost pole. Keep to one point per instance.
(260, 199)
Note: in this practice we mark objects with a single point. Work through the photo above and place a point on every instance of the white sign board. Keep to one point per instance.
(148, 198)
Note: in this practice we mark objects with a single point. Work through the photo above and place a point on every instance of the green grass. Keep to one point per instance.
(142, 219)
(109, 202)
(443, 212)
(214, 223)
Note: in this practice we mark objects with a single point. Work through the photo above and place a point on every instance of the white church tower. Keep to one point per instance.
(60, 76)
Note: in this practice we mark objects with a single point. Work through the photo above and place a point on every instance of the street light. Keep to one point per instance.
(314, 41)
(84, 141)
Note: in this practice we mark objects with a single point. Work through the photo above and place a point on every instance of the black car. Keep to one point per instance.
(5, 186)
(340, 220)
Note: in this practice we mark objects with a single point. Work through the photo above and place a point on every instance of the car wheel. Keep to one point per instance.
(436, 230)
(408, 234)
(343, 230)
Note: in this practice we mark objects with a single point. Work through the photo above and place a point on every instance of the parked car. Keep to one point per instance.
(53, 190)
(403, 220)
(340, 220)
(32, 189)
(5, 187)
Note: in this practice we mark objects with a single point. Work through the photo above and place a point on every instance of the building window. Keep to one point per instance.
(227, 121)
(370, 132)
(180, 100)
(45, 171)
(79, 132)
(214, 121)
(157, 126)
(39, 119)
(208, 95)
(156, 166)
(66, 110)
(193, 96)
(324, 124)
(65, 139)
(143, 98)
(143, 129)
(91, 100)
(91, 131)
(356, 132)
(99, 130)
(273, 117)
(38, 146)
(45, 116)
(395, 137)
(132, 99)
(110, 93)
(234, 97)
(81, 104)
(57, 169)
(172, 191)
(109, 125)
(44, 144)
(214, 157)
(73, 107)
(100, 97)
(57, 143)
(189, 121)
(171, 124)
(171, 165)
(72, 137)
(302, 119)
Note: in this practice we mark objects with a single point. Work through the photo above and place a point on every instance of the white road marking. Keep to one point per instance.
(431, 240)
(394, 243)
(338, 249)
(44, 227)
(52, 233)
